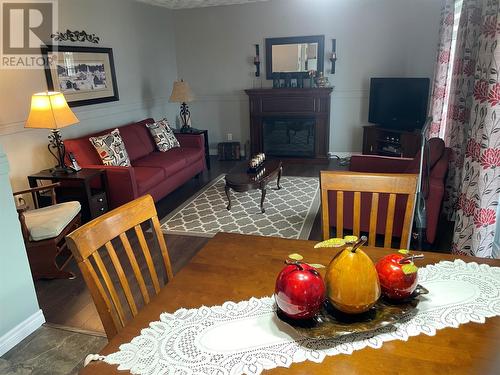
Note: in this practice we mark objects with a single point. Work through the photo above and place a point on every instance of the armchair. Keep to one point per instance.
(44, 230)
(436, 162)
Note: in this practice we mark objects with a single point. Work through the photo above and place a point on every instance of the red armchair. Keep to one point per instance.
(433, 191)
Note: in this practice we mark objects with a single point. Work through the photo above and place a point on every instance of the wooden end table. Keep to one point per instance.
(241, 181)
(78, 187)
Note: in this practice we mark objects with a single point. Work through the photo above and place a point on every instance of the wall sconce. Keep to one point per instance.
(256, 61)
(333, 55)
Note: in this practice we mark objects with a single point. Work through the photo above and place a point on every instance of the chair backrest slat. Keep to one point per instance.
(340, 213)
(324, 220)
(163, 246)
(135, 266)
(405, 236)
(110, 321)
(373, 220)
(121, 277)
(389, 222)
(86, 242)
(110, 286)
(356, 217)
(147, 255)
(356, 183)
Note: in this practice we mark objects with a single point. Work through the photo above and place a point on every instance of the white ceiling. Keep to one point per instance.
(185, 4)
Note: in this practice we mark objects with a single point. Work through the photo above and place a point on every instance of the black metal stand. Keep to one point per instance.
(57, 149)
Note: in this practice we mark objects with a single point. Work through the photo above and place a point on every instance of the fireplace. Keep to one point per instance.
(289, 137)
(290, 123)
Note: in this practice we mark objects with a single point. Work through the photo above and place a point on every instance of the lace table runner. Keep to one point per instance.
(247, 338)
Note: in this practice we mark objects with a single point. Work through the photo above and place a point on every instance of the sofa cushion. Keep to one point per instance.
(48, 222)
(193, 154)
(137, 139)
(163, 135)
(148, 177)
(171, 161)
(111, 149)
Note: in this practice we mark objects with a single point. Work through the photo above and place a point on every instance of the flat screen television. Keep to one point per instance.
(398, 103)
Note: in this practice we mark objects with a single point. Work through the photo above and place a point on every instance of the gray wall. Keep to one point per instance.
(374, 38)
(144, 52)
(17, 294)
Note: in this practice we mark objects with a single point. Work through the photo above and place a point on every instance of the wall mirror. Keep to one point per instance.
(296, 55)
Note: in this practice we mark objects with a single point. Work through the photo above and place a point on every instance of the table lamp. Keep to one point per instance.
(181, 93)
(49, 110)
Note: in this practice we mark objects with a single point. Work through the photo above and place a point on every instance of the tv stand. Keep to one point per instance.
(390, 142)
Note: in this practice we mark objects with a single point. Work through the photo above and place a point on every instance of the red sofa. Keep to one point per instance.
(438, 165)
(152, 172)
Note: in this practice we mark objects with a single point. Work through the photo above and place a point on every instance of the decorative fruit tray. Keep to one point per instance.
(331, 323)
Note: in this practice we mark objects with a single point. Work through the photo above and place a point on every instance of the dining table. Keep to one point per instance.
(235, 267)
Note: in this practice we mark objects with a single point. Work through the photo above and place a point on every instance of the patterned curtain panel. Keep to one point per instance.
(441, 73)
(461, 97)
(473, 129)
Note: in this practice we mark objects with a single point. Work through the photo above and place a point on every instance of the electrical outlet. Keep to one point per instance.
(229, 136)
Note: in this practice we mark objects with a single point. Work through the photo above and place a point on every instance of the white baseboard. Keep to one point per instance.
(21, 331)
(342, 154)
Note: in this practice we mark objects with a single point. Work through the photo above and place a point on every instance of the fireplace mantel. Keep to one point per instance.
(291, 103)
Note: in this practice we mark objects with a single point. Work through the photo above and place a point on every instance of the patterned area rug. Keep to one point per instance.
(290, 212)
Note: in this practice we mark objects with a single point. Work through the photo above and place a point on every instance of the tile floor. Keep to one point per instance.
(50, 351)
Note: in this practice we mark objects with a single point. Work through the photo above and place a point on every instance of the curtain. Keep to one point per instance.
(460, 99)
(473, 129)
(441, 73)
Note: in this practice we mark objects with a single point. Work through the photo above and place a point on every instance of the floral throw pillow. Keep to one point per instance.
(111, 149)
(163, 135)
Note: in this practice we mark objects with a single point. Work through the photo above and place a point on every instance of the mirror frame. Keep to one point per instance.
(320, 39)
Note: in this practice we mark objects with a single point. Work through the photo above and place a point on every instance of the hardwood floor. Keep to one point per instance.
(68, 302)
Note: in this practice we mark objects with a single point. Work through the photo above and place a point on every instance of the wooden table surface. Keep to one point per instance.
(236, 267)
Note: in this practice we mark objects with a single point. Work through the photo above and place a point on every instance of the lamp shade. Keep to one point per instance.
(49, 110)
(181, 92)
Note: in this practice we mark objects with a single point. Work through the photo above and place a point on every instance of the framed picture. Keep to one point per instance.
(85, 75)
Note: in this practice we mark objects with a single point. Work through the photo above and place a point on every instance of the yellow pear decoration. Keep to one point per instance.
(352, 281)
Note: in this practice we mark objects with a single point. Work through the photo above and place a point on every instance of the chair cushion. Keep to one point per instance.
(171, 161)
(111, 149)
(147, 178)
(163, 135)
(49, 222)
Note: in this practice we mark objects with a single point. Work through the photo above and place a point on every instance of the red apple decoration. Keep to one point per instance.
(398, 275)
(299, 291)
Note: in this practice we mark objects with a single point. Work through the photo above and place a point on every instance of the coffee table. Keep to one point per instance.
(240, 181)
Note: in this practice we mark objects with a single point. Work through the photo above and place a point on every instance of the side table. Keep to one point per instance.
(205, 136)
(78, 186)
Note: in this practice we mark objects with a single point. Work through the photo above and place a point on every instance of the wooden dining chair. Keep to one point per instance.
(86, 243)
(346, 189)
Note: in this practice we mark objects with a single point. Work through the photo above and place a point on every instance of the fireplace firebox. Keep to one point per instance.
(290, 123)
(289, 137)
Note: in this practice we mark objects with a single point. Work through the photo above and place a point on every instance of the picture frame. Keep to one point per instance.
(85, 75)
